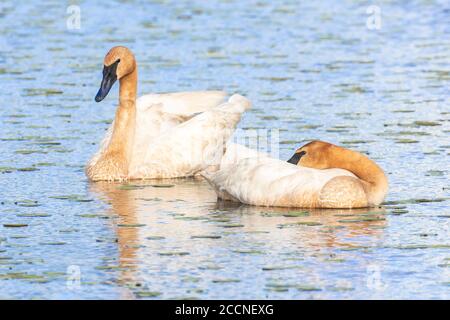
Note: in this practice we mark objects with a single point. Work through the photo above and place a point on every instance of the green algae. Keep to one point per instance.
(155, 238)
(276, 268)
(362, 219)
(206, 236)
(130, 187)
(34, 215)
(93, 215)
(210, 267)
(162, 185)
(72, 197)
(53, 243)
(174, 253)
(419, 246)
(296, 214)
(421, 123)
(20, 276)
(27, 203)
(300, 223)
(15, 225)
(131, 225)
(232, 225)
(147, 294)
(412, 201)
(307, 288)
(226, 280)
(247, 251)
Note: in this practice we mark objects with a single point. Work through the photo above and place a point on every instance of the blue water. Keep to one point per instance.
(314, 70)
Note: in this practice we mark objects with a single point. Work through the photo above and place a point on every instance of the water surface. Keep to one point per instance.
(313, 71)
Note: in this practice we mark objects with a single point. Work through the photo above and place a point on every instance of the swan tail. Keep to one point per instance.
(236, 104)
(241, 101)
(211, 175)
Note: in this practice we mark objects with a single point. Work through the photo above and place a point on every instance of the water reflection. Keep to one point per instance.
(337, 226)
(164, 227)
(315, 71)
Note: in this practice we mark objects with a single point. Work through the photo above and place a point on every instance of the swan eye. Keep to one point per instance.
(111, 69)
(296, 157)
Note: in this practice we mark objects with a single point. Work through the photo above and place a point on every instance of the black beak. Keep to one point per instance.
(296, 157)
(109, 77)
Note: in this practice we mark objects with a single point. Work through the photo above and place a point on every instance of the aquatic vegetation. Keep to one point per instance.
(15, 225)
(147, 294)
(34, 215)
(27, 203)
(232, 225)
(296, 214)
(72, 197)
(159, 239)
(206, 236)
(173, 253)
(155, 238)
(248, 251)
(225, 280)
(131, 225)
(300, 223)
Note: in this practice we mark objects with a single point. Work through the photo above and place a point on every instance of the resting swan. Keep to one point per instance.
(160, 135)
(318, 175)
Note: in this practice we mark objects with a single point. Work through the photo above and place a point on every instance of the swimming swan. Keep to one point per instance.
(318, 175)
(160, 135)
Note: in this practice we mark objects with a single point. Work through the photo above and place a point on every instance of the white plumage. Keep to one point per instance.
(180, 134)
(264, 181)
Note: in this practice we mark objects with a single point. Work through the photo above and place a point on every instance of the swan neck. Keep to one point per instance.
(128, 89)
(122, 139)
(373, 178)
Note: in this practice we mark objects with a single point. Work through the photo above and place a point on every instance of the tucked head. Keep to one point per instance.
(118, 63)
(316, 154)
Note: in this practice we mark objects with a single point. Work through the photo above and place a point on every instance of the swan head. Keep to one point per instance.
(118, 63)
(316, 154)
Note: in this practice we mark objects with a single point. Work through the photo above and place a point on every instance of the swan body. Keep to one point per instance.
(161, 135)
(272, 182)
(265, 181)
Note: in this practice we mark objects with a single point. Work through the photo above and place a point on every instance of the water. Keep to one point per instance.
(314, 71)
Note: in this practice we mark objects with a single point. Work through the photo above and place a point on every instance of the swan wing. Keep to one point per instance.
(266, 181)
(159, 112)
(191, 146)
(181, 104)
(236, 152)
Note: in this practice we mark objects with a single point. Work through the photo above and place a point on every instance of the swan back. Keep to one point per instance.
(271, 182)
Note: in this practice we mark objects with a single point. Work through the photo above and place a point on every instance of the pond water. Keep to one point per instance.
(313, 70)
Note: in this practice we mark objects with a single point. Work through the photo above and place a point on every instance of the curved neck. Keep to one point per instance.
(373, 179)
(122, 138)
(128, 88)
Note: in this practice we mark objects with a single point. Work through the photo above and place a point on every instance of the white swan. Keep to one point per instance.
(160, 135)
(319, 175)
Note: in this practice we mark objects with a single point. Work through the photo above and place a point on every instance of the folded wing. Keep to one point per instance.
(192, 146)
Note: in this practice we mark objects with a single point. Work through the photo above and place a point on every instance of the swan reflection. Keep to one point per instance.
(178, 227)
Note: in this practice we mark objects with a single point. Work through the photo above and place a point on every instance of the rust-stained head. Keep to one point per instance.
(118, 62)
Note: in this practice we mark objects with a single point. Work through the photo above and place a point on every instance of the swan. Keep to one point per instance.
(160, 135)
(318, 175)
